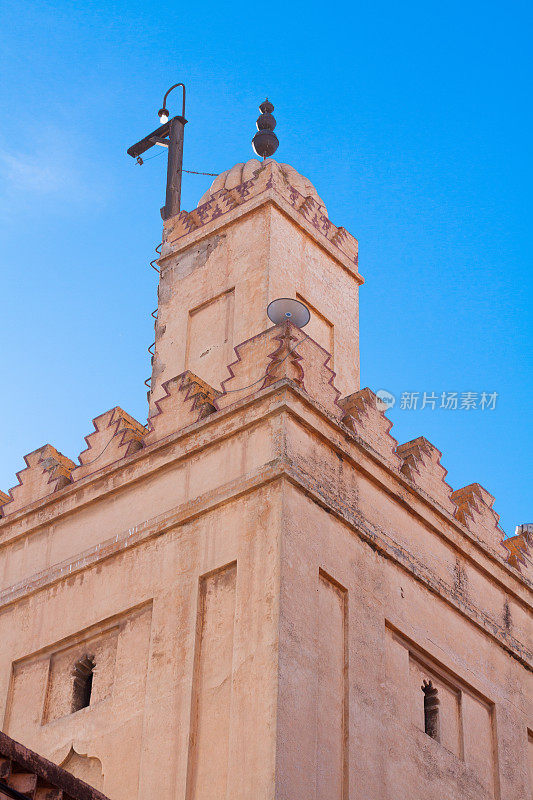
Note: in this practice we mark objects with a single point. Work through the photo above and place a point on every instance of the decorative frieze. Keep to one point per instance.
(268, 179)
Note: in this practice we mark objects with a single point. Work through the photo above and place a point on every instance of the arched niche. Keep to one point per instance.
(86, 768)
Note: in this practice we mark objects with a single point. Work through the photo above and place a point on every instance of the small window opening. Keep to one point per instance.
(83, 683)
(431, 710)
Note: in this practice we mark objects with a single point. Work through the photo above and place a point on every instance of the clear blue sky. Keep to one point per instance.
(413, 120)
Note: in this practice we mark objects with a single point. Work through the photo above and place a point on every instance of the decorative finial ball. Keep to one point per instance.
(265, 141)
(266, 107)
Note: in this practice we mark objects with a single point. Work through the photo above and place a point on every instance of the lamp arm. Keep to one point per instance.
(167, 94)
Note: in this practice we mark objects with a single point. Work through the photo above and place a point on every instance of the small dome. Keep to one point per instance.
(243, 172)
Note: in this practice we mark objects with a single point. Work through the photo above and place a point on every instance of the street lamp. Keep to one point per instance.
(169, 134)
(163, 112)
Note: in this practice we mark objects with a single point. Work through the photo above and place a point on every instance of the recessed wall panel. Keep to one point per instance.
(212, 683)
(210, 339)
(332, 705)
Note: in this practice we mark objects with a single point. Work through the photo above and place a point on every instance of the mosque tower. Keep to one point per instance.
(260, 594)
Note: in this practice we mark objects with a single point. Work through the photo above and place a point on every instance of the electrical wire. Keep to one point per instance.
(227, 391)
(88, 463)
(193, 172)
(140, 161)
(158, 251)
(148, 381)
(267, 373)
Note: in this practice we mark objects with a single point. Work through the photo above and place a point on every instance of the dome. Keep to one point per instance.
(243, 172)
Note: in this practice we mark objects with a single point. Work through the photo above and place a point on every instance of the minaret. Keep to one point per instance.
(260, 594)
(259, 233)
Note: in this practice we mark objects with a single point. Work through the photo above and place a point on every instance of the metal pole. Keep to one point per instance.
(174, 168)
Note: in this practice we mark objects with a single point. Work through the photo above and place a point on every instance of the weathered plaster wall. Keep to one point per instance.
(110, 506)
(263, 631)
(215, 289)
(195, 612)
(388, 615)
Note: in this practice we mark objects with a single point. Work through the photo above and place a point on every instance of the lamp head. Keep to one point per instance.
(163, 115)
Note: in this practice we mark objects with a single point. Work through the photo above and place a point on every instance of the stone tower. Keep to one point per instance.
(261, 232)
(260, 594)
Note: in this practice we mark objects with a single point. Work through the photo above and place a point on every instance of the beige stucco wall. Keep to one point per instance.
(390, 625)
(183, 663)
(268, 625)
(214, 291)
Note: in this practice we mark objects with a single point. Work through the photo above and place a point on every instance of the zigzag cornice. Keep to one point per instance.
(472, 502)
(520, 549)
(360, 411)
(421, 464)
(474, 510)
(287, 396)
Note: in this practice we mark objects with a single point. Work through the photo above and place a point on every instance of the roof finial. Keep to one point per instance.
(265, 141)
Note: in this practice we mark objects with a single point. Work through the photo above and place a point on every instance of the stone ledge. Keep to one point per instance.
(380, 541)
(267, 177)
(175, 246)
(211, 430)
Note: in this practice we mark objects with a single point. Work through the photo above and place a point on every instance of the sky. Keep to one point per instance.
(413, 121)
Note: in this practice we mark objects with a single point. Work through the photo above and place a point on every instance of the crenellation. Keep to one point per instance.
(46, 471)
(520, 550)
(421, 464)
(362, 415)
(278, 353)
(249, 371)
(187, 400)
(268, 178)
(283, 351)
(474, 510)
(116, 435)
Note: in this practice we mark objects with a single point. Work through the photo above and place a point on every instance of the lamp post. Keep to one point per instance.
(169, 134)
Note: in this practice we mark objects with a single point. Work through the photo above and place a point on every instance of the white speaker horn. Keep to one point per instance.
(285, 308)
